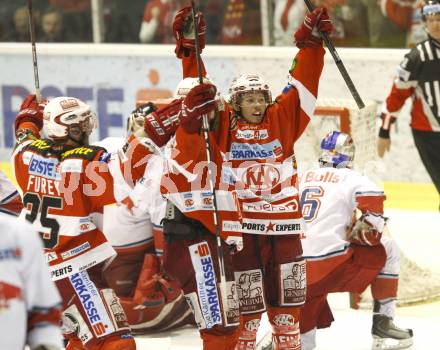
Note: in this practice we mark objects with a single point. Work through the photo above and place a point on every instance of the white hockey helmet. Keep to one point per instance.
(337, 150)
(247, 83)
(62, 113)
(187, 84)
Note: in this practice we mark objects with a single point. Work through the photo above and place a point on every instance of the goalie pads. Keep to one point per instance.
(363, 232)
(158, 303)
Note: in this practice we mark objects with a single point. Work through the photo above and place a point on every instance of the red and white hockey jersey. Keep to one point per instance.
(255, 163)
(10, 200)
(329, 197)
(63, 195)
(30, 305)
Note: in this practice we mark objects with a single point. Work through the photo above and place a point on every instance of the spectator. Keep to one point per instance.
(213, 11)
(241, 23)
(157, 22)
(407, 15)
(52, 26)
(77, 18)
(123, 20)
(361, 23)
(288, 16)
(20, 32)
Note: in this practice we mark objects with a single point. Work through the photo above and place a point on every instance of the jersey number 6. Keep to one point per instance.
(50, 240)
(310, 202)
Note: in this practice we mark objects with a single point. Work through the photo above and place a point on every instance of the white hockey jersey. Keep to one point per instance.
(125, 229)
(29, 301)
(328, 198)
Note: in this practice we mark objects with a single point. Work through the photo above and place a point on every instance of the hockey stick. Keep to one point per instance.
(211, 174)
(34, 51)
(339, 63)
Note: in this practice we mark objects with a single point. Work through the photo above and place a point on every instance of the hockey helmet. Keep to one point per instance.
(63, 113)
(430, 8)
(337, 150)
(187, 84)
(247, 83)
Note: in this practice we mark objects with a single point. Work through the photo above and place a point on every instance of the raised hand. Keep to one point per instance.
(307, 34)
(183, 29)
(199, 101)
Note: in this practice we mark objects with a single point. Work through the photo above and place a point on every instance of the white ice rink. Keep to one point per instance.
(418, 235)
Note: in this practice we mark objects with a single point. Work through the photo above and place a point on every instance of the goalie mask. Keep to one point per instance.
(69, 118)
(337, 150)
(246, 83)
(136, 119)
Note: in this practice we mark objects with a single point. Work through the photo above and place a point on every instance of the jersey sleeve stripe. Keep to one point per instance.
(307, 99)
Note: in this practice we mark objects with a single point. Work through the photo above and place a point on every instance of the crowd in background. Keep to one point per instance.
(358, 23)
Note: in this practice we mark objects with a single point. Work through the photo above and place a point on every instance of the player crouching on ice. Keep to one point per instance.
(347, 261)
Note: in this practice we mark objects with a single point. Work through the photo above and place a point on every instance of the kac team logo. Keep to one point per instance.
(261, 177)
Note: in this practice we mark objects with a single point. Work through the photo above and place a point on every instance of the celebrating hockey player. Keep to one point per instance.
(340, 260)
(65, 184)
(252, 142)
(418, 77)
(10, 200)
(30, 305)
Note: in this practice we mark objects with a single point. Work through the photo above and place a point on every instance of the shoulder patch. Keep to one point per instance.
(84, 152)
(105, 157)
(40, 146)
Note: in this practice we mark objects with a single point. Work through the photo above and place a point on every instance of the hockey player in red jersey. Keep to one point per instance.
(339, 260)
(418, 77)
(30, 305)
(151, 299)
(252, 147)
(65, 183)
(10, 200)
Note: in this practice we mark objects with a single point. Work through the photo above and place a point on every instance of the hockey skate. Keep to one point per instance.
(386, 336)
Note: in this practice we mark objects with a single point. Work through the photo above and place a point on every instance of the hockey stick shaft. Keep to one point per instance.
(339, 63)
(34, 51)
(211, 174)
